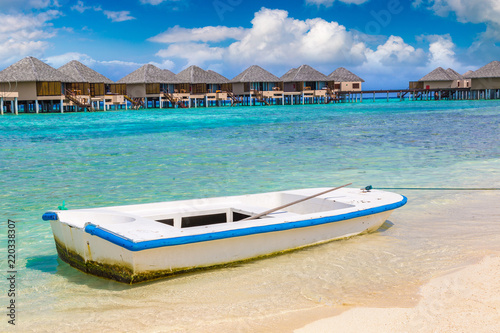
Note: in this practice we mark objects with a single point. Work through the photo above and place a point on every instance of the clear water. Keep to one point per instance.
(115, 158)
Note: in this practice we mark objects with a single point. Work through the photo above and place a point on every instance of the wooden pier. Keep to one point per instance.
(420, 94)
(260, 98)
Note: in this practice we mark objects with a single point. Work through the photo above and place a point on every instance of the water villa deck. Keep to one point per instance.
(31, 86)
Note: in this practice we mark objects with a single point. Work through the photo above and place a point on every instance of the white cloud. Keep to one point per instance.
(441, 51)
(475, 11)
(395, 52)
(80, 7)
(28, 4)
(194, 53)
(43, 3)
(114, 16)
(119, 16)
(392, 64)
(173, 5)
(113, 69)
(279, 42)
(485, 48)
(157, 2)
(274, 37)
(417, 3)
(492, 32)
(22, 35)
(61, 59)
(165, 64)
(329, 3)
(205, 34)
(152, 2)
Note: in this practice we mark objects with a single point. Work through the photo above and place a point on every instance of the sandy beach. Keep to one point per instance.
(466, 299)
(463, 301)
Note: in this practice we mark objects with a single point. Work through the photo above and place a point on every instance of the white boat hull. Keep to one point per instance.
(99, 250)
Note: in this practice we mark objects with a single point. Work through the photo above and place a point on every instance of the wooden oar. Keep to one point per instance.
(291, 203)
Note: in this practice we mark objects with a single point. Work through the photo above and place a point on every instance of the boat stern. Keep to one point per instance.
(81, 250)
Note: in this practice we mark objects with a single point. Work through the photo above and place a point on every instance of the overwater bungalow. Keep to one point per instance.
(255, 84)
(147, 85)
(486, 77)
(440, 78)
(306, 83)
(459, 81)
(194, 82)
(30, 85)
(201, 87)
(345, 80)
(220, 89)
(220, 82)
(89, 87)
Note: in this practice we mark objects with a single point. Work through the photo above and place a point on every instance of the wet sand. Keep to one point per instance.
(466, 299)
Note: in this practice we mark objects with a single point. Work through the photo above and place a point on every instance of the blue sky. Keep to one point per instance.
(387, 42)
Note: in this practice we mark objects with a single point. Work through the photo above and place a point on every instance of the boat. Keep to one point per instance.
(143, 242)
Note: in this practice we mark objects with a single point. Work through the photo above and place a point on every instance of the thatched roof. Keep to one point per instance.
(466, 74)
(170, 76)
(454, 75)
(81, 73)
(488, 71)
(343, 75)
(439, 74)
(255, 74)
(217, 78)
(148, 74)
(31, 69)
(288, 74)
(194, 75)
(302, 74)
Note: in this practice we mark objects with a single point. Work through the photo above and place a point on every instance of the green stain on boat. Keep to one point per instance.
(125, 274)
(120, 273)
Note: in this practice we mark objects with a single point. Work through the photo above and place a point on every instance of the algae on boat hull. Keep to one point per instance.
(124, 274)
(119, 273)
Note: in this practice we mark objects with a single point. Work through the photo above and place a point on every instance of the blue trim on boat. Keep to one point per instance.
(156, 243)
(50, 216)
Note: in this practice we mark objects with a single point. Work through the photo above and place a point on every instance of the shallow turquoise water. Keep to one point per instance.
(114, 158)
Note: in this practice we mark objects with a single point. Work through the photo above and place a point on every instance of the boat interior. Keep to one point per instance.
(208, 214)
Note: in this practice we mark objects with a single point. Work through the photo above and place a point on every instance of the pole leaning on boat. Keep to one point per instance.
(292, 203)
